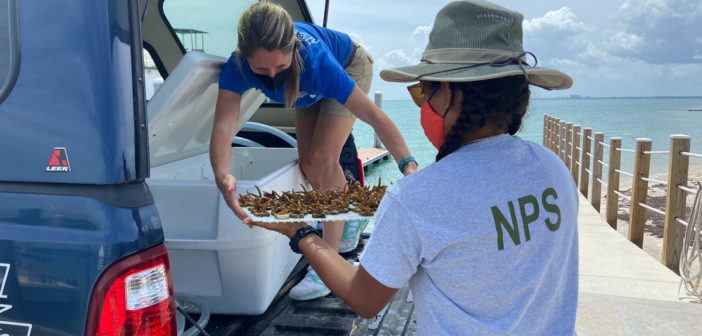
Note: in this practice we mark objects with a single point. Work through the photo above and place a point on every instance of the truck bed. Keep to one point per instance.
(324, 316)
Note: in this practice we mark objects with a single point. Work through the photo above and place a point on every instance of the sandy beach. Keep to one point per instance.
(653, 231)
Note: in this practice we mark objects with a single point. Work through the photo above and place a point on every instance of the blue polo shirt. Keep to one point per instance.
(325, 55)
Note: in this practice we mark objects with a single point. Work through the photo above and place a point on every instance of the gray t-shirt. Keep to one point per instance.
(487, 239)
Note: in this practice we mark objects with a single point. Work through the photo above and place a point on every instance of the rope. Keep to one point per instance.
(623, 172)
(646, 206)
(626, 150)
(191, 320)
(622, 195)
(682, 222)
(602, 182)
(691, 256)
(691, 154)
(686, 189)
(654, 181)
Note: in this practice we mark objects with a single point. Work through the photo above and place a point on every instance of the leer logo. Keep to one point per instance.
(59, 161)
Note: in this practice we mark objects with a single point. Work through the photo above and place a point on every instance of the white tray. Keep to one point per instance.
(343, 216)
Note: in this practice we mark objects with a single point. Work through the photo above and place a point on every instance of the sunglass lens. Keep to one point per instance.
(416, 93)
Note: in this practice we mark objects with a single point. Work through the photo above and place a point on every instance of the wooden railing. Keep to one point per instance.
(584, 158)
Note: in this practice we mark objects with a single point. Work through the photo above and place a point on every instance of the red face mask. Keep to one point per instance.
(433, 125)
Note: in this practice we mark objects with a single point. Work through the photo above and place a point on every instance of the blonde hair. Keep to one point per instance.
(267, 25)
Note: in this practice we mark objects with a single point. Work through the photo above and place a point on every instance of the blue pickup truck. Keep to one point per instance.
(81, 241)
(93, 238)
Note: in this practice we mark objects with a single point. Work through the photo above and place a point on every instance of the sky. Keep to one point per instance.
(611, 48)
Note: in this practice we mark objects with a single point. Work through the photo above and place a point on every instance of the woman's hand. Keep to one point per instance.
(227, 186)
(410, 168)
(286, 228)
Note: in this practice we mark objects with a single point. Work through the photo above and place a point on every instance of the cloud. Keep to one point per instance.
(669, 29)
(421, 34)
(598, 73)
(563, 19)
(647, 47)
(556, 34)
(619, 41)
(357, 37)
(399, 57)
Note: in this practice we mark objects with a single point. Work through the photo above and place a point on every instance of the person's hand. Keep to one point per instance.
(227, 186)
(410, 168)
(286, 228)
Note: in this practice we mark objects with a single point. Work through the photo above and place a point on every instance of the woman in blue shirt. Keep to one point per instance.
(326, 77)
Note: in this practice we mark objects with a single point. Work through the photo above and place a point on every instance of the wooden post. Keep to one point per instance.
(639, 191)
(554, 134)
(585, 162)
(613, 180)
(550, 134)
(544, 141)
(597, 156)
(562, 140)
(568, 144)
(575, 154)
(376, 139)
(673, 232)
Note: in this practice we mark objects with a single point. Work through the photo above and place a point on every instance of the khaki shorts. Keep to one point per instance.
(360, 70)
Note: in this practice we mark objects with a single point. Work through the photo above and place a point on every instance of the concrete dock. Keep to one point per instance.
(625, 291)
(369, 156)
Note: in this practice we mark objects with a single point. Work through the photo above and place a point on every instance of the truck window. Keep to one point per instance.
(206, 26)
(152, 79)
(9, 46)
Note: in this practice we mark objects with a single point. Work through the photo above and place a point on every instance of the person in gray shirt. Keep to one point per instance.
(486, 237)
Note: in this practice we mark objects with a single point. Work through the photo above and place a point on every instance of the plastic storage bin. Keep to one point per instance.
(234, 269)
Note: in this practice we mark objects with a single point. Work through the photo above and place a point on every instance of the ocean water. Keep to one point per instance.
(628, 118)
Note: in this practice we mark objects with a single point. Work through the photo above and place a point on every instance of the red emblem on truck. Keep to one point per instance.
(58, 161)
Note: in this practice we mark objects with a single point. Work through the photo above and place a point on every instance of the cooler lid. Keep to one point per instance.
(181, 112)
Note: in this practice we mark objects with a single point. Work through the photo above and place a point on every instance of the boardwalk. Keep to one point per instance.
(623, 290)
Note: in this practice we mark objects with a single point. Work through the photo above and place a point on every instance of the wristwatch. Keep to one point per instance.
(299, 234)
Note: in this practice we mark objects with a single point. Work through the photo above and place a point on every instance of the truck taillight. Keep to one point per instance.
(134, 297)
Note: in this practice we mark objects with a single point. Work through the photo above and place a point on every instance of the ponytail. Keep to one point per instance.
(501, 101)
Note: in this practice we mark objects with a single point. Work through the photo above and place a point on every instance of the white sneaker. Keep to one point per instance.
(352, 234)
(311, 287)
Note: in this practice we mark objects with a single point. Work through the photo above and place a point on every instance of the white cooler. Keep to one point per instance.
(213, 255)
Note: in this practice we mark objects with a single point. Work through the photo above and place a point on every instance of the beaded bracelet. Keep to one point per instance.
(405, 160)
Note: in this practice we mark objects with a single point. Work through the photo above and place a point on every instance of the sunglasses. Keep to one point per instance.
(417, 93)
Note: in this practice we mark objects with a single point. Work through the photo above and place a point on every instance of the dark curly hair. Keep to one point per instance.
(502, 101)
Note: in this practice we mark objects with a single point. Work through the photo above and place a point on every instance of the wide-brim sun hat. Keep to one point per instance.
(476, 40)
